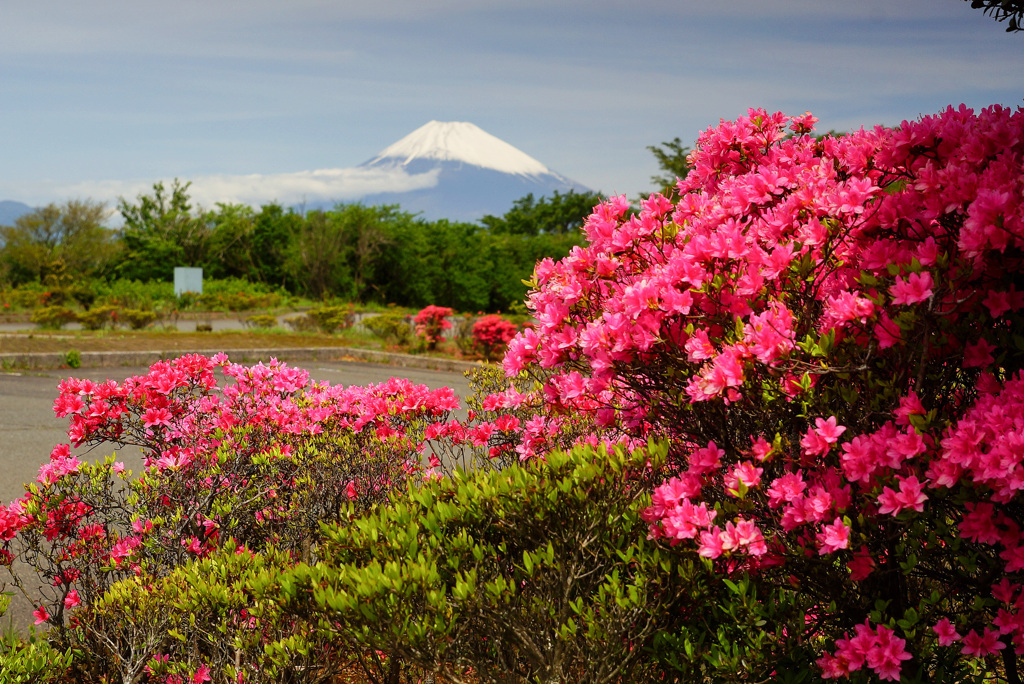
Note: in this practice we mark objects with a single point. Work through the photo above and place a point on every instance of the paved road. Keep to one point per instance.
(29, 430)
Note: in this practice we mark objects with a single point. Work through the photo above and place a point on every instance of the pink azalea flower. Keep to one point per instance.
(41, 615)
(916, 287)
(980, 645)
(833, 537)
(201, 675)
(72, 599)
(946, 632)
(911, 496)
(887, 332)
(710, 543)
(819, 439)
(979, 354)
(155, 416)
(742, 474)
(861, 565)
(887, 655)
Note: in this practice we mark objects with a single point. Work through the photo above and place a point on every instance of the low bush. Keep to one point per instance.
(326, 319)
(261, 321)
(53, 317)
(100, 317)
(537, 573)
(392, 328)
(137, 319)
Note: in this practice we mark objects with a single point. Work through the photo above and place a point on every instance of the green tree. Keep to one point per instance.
(68, 239)
(274, 230)
(674, 160)
(161, 232)
(231, 250)
(556, 215)
(318, 253)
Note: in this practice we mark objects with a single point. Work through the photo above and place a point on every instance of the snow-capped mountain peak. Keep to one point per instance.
(460, 141)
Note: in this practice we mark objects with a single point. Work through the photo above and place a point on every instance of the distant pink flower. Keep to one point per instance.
(41, 615)
(72, 599)
(350, 489)
(983, 644)
(201, 675)
(979, 354)
(946, 632)
(916, 287)
(861, 565)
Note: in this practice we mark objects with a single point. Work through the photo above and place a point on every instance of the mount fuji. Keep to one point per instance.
(476, 173)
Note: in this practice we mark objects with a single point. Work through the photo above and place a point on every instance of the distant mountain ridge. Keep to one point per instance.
(477, 174)
(10, 211)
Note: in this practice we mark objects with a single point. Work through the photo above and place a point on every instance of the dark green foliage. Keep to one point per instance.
(674, 160)
(160, 233)
(392, 328)
(53, 317)
(73, 358)
(1001, 10)
(556, 215)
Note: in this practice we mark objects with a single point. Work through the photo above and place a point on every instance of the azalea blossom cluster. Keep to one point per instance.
(492, 333)
(431, 322)
(261, 460)
(824, 330)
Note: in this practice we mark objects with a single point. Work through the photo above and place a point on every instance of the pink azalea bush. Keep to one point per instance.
(431, 322)
(828, 332)
(491, 333)
(258, 463)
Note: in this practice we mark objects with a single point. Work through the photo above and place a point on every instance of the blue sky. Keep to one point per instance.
(100, 99)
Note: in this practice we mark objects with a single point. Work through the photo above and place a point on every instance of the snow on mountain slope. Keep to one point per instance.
(476, 173)
(460, 141)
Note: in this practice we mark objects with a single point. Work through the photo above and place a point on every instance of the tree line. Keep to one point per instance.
(352, 251)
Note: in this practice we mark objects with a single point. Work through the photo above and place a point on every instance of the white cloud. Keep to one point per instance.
(288, 189)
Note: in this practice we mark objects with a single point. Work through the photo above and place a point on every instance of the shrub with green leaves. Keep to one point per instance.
(53, 317)
(99, 317)
(326, 319)
(137, 319)
(392, 328)
(539, 572)
(261, 321)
